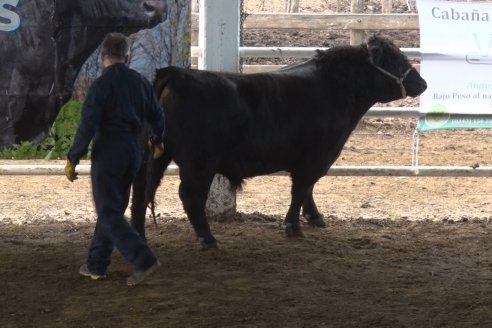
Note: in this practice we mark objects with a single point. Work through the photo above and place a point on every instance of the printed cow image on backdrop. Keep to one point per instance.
(44, 45)
(296, 119)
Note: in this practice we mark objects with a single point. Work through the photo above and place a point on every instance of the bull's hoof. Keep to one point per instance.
(206, 245)
(293, 232)
(317, 222)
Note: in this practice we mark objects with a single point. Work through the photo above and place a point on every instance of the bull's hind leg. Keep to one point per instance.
(310, 211)
(193, 192)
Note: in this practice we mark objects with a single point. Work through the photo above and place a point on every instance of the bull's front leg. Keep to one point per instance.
(292, 223)
(310, 210)
(298, 194)
(193, 192)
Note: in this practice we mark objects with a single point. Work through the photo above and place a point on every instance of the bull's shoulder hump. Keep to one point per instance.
(170, 71)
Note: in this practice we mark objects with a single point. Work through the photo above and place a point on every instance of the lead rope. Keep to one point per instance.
(415, 150)
(416, 134)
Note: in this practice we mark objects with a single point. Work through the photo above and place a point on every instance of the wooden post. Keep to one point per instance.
(386, 6)
(291, 6)
(357, 36)
(218, 37)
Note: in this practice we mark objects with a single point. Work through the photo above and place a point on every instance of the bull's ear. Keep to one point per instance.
(375, 51)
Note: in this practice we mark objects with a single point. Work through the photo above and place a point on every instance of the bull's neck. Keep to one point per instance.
(356, 77)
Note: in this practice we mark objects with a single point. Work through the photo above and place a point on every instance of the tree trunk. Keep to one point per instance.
(221, 202)
(194, 6)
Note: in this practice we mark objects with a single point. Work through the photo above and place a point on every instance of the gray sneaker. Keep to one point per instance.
(139, 276)
(84, 270)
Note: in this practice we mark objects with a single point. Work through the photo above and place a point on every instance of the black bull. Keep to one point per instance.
(42, 57)
(296, 119)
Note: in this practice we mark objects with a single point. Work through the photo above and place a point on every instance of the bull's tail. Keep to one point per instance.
(158, 166)
(144, 188)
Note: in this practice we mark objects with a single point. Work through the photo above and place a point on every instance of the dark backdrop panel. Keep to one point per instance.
(44, 44)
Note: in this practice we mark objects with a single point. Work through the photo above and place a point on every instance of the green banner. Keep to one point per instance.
(443, 120)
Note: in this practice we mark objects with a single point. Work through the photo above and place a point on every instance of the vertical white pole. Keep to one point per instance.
(218, 35)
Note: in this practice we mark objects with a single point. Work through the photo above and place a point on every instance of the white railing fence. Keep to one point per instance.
(218, 24)
(338, 170)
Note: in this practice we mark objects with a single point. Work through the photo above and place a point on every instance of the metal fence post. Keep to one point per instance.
(218, 37)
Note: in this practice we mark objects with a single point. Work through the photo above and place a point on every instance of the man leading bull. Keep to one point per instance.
(113, 115)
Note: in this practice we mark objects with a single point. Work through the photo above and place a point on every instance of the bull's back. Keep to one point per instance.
(247, 125)
(203, 112)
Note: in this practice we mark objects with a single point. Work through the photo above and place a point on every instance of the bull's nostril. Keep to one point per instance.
(148, 7)
(154, 9)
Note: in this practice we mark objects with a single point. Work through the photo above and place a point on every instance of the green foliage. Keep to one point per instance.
(63, 131)
(58, 141)
(24, 150)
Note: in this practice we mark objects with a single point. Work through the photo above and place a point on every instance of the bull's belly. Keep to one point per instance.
(242, 169)
(255, 169)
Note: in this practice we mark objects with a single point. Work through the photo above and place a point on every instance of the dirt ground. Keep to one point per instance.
(396, 252)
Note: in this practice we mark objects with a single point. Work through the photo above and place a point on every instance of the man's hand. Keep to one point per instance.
(70, 171)
(156, 149)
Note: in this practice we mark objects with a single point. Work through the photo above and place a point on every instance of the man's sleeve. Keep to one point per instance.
(89, 121)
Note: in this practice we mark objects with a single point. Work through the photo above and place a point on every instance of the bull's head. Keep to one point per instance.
(98, 17)
(130, 13)
(393, 66)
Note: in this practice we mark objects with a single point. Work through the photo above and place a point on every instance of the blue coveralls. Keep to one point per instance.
(113, 116)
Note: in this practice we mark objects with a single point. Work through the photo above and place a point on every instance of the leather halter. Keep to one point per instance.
(398, 80)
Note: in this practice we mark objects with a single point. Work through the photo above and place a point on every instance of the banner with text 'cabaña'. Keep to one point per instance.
(456, 47)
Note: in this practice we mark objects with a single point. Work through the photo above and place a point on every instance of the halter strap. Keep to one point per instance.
(398, 80)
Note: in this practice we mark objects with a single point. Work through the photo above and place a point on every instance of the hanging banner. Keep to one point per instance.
(456, 47)
(45, 43)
